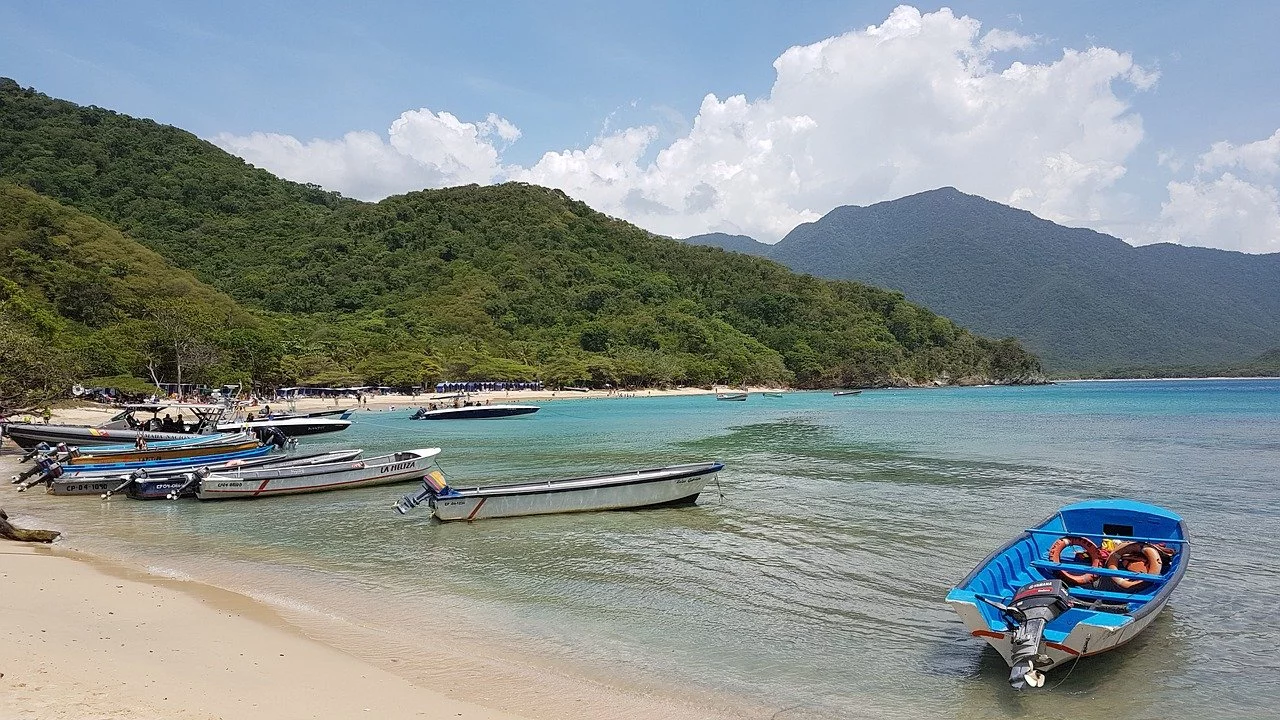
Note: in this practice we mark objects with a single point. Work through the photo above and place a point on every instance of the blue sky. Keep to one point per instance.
(569, 75)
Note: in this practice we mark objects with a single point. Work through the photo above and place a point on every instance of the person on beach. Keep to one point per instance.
(47, 414)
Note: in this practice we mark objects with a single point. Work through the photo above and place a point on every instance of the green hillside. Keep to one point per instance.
(1082, 300)
(79, 300)
(505, 282)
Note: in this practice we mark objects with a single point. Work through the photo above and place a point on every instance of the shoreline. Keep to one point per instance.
(97, 630)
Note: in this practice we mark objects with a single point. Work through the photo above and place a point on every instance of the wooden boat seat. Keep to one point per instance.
(1100, 571)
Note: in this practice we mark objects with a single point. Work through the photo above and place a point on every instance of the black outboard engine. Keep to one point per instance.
(272, 436)
(1034, 606)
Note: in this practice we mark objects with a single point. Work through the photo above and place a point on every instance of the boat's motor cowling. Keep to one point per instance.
(1034, 606)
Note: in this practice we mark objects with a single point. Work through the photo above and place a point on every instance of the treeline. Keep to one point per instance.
(510, 282)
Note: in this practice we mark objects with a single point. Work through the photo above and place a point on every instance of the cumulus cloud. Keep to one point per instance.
(422, 149)
(916, 102)
(1232, 202)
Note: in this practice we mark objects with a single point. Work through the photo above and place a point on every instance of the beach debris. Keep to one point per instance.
(7, 530)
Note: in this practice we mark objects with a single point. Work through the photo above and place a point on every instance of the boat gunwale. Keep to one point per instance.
(634, 477)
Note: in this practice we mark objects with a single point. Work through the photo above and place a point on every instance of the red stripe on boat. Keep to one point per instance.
(988, 633)
(476, 509)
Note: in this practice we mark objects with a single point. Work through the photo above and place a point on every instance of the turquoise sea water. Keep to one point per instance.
(811, 588)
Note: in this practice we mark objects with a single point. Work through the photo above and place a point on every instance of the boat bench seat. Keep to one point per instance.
(1092, 594)
(1100, 571)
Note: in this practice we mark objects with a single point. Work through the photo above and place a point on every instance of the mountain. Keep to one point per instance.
(732, 243)
(1081, 299)
(503, 282)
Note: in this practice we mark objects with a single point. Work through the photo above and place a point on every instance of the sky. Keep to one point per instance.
(1151, 121)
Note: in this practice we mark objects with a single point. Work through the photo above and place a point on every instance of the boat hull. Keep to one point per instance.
(1085, 639)
(239, 444)
(385, 470)
(290, 427)
(28, 436)
(644, 489)
(160, 487)
(1080, 627)
(216, 459)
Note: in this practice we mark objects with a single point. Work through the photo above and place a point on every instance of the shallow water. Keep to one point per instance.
(812, 588)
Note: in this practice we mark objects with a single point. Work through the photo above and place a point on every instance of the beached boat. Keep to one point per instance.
(473, 412)
(98, 455)
(657, 487)
(846, 393)
(732, 396)
(125, 426)
(48, 468)
(1040, 607)
(186, 484)
(110, 482)
(253, 483)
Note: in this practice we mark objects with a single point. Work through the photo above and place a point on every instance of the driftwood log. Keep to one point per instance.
(7, 530)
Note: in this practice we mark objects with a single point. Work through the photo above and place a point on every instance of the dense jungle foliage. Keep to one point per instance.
(502, 283)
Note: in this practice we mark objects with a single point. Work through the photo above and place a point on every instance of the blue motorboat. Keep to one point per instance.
(1087, 579)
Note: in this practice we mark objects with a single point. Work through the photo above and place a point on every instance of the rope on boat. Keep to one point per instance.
(1083, 649)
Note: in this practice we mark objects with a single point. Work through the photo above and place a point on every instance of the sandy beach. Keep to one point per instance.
(85, 639)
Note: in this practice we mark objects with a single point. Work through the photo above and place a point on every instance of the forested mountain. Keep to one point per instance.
(1081, 299)
(80, 301)
(504, 282)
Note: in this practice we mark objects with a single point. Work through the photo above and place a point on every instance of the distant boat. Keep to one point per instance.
(773, 393)
(732, 396)
(474, 412)
(1041, 608)
(845, 393)
(658, 487)
(297, 479)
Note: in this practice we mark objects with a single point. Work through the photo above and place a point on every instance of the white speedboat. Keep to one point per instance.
(296, 479)
(657, 487)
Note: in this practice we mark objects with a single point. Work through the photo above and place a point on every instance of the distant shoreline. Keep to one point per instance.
(1161, 379)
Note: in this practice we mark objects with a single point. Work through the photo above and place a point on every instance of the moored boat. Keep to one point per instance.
(732, 396)
(289, 426)
(773, 393)
(113, 482)
(473, 412)
(1040, 608)
(217, 445)
(386, 469)
(656, 487)
(172, 486)
(846, 393)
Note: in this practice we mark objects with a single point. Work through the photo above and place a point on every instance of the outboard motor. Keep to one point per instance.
(272, 436)
(190, 480)
(41, 448)
(1034, 606)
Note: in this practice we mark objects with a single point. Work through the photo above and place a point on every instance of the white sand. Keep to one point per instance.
(81, 640)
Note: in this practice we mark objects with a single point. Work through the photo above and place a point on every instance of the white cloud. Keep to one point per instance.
(1232, 202)
(423, 149)
(914, 103)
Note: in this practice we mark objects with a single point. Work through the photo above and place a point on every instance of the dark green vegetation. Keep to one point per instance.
(506, 282)
(1082, 300)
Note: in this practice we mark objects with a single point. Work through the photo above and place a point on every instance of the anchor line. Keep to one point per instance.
(1083, 649)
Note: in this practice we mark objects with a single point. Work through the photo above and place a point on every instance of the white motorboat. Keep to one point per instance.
(657, 487)
(732, 396)
(296, 479)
